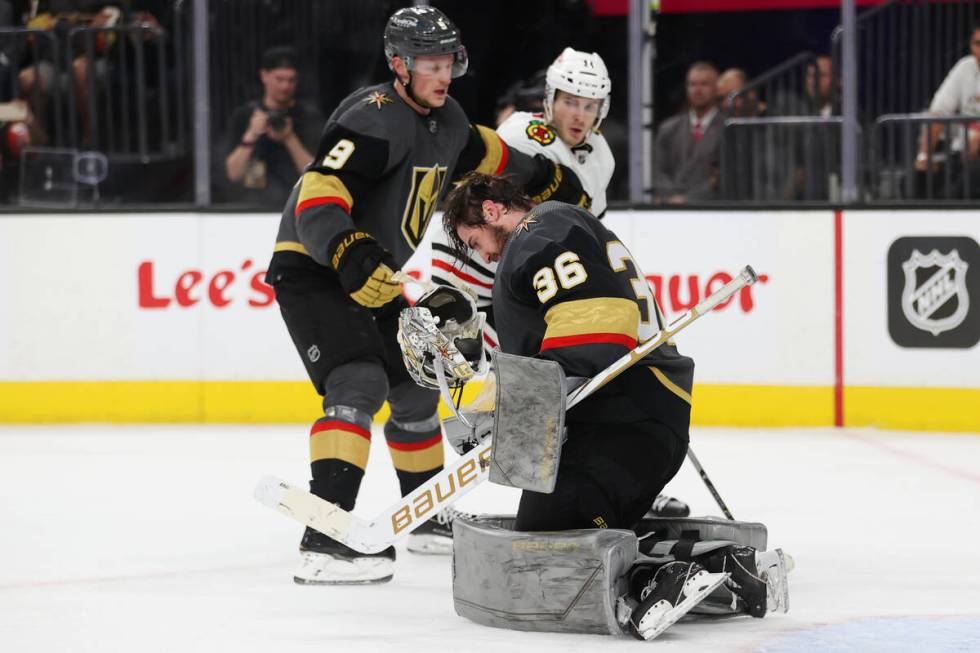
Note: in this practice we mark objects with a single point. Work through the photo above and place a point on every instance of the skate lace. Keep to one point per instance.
(651, 585)
(448, 514)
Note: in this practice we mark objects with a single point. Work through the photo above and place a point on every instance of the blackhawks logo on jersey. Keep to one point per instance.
(426, 187)
(540, 132)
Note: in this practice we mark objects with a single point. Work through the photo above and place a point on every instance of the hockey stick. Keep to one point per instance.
(707, 482)
(465, 473)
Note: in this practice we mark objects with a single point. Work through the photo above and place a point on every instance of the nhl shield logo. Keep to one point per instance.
(935, 296)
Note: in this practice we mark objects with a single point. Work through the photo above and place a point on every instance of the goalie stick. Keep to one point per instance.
(464, 474)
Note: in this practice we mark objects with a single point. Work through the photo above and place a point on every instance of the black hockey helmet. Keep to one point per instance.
(424, 30)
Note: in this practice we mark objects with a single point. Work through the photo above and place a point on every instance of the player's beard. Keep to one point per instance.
(500, 237)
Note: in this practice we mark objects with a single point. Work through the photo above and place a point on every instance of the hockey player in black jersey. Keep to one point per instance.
(386, 156)
(566, 290)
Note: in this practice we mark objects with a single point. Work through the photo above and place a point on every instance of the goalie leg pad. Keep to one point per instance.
(566, 581)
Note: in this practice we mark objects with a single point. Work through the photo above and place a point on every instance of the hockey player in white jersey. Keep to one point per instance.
(576, 100)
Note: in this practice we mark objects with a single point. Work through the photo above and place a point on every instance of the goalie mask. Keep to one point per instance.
(443, 332)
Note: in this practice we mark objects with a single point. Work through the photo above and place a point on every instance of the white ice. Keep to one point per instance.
(145, 539)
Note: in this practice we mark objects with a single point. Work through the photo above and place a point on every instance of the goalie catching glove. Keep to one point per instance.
(442, 330)
(365, 269)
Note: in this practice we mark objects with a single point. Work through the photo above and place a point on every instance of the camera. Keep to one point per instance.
(276, 119)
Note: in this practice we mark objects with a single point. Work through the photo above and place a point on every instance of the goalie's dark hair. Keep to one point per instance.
(464, 205)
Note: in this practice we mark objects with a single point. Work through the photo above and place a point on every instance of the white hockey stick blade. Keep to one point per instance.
(394, 523)
(462, 475)
(312, 511)
(772, 569)
(708, 583)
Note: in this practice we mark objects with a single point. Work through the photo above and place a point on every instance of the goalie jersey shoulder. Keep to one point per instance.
(547, 231)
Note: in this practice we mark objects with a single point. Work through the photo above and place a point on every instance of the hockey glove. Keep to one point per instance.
(365, 269)
(563, 185)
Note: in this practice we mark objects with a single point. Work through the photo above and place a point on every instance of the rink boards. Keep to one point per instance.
(861, 318)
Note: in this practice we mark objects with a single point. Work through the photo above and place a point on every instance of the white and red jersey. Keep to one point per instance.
(592, 161)
(593, 164)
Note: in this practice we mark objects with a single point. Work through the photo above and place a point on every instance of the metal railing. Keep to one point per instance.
(780, 91)
(781, 160)
(39, 52)
(905, 50)
(948, 172)
(133, 109)
(117, 90)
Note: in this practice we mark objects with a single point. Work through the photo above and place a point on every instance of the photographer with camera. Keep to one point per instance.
(269, 142)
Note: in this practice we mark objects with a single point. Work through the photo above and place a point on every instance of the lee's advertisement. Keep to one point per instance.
(166, 317)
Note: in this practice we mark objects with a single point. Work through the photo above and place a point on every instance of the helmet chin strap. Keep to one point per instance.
(410, 93)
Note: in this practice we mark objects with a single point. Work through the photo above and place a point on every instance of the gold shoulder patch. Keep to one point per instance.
(538, 131)
(378, 98)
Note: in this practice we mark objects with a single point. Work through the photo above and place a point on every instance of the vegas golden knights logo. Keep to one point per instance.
(426, 186)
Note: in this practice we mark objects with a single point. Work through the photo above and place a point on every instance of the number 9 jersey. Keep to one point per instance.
(568, 290)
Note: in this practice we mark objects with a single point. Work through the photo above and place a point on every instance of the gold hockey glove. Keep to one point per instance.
(365, 269)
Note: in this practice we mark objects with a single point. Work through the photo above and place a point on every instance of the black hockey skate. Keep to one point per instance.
(435, 535)
(665, 506)
(328, 562)
(746, 582)
(666, 593)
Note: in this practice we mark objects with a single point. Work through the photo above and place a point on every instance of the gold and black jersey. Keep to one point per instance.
(381, 169)
(567, 289)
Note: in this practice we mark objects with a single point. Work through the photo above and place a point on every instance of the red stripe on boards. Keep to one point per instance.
(838, 318)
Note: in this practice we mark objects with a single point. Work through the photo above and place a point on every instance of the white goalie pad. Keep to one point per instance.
(528, 423)
(566, 581)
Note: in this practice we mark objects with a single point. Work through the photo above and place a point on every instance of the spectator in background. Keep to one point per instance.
(732, 81)
(687, 145)
(820, 87)
(760, 165)
(958, 94)
(269, 142)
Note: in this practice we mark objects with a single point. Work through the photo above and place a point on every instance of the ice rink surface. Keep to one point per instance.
(146, 539)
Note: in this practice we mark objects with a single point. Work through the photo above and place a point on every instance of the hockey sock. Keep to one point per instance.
(416, 450)
(338, 454)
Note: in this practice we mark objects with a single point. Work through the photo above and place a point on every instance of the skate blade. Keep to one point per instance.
(777, 584)
(324, 569)
(429, 545)
(712, 582)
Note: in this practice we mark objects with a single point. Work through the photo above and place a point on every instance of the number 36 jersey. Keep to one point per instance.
(568, 290)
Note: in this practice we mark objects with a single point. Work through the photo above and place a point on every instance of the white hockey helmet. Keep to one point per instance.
(580, 73)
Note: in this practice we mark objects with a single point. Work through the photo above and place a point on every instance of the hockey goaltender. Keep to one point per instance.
(578, 556)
